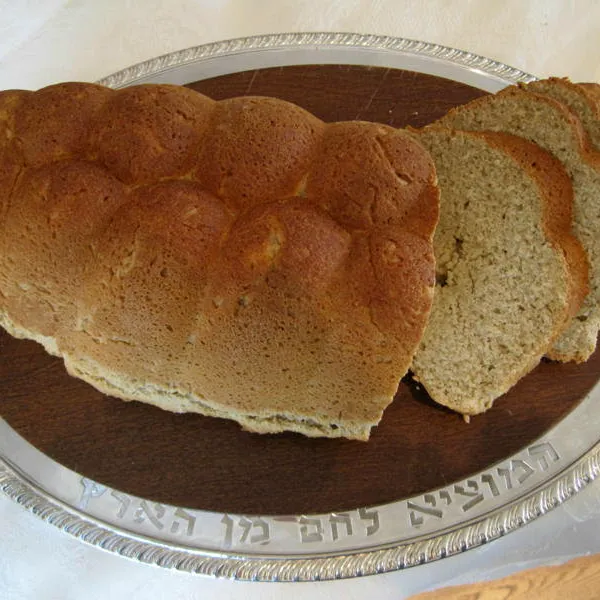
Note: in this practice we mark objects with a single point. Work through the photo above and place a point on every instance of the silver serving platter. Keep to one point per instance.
(367, 540)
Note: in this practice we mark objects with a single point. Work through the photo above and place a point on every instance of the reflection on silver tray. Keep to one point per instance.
(367, 540)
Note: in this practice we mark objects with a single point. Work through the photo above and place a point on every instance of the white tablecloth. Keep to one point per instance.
(45, 41)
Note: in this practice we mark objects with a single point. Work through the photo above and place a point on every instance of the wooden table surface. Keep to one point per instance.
(210, 464)
(578, 579)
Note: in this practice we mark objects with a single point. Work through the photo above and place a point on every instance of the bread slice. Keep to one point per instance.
(553, 127)
(505, 258)
(577, 99)
(239, 259)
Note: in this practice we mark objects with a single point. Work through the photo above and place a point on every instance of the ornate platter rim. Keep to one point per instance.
(406, 533)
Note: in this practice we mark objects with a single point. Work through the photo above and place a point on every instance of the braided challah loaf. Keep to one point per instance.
(239, 258)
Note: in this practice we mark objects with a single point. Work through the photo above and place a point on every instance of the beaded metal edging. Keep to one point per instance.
(240, 567)
(320, 40)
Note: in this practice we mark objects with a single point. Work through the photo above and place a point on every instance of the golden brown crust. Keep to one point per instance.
(47, 236)
(10, 100)
(257, 149)
(198, 255)
(11, 155)
(372, 176)
(54, 123)
(148, 132)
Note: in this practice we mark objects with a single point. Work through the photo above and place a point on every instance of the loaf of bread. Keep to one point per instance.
(552, 126)
(237, 258)
(510, 273)
(243, 259)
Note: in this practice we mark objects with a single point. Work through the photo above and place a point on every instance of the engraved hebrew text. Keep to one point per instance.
(91, 489)
(429, 506)
(185, 520)
(154, 514)
(336, 526)
(367, 515)
(471, 490)
(311, 530)
(545, 454)
(248, 530)
(124, 502)
(492, 484)
(160, 517)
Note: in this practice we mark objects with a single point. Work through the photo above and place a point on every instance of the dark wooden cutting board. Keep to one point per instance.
(210, 464)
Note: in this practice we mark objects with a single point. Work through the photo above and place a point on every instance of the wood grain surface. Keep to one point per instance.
(578, 579)
(210, 464)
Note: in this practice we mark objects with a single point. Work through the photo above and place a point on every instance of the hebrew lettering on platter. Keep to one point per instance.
(124, 502)
(519, 468)
(262, 536)
(154, 515)
(159, 516)
(489, 480)
(340, 519)
(545, 453)
(470, 491)
(429, 507)
(181, 517)
(493, 483)
(370, 515)
(254, 530)
(340, 525)
(311, 530)
(91, 489)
